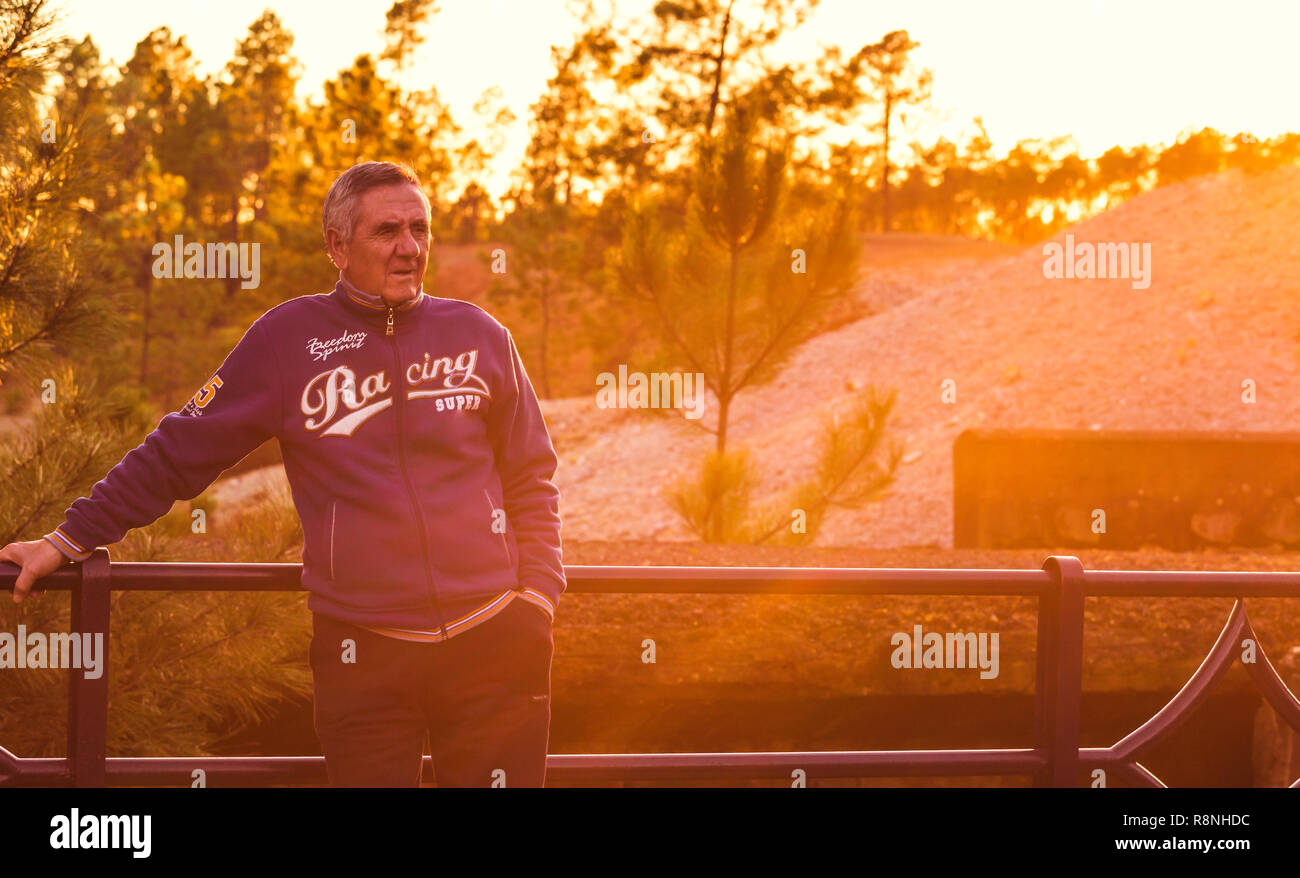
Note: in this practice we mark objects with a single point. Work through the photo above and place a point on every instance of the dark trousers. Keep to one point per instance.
(482, 697)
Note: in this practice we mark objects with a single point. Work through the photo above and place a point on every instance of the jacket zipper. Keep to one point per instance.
(399, 392)
(334, 504)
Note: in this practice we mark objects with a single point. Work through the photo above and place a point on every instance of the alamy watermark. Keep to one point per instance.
(77, 831)
(637, 390)
(58, 650)
(1103, 260)
(214, 260)
(950, 650)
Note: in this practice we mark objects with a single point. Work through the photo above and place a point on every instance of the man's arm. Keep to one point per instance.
(526, 462)
(238, 409)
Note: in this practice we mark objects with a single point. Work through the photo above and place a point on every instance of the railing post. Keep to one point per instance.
(1060, 673)
(88, 699)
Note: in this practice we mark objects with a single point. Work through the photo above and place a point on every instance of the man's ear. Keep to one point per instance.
(334, 246)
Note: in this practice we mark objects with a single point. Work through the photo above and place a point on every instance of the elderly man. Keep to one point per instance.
(422, 471)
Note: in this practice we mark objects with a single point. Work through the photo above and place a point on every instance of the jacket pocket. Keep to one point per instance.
(374, 556)
(471, 541)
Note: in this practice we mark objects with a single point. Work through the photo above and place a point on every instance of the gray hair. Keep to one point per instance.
(340, 211)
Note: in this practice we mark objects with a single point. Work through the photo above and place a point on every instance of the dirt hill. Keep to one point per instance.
(1023, 350)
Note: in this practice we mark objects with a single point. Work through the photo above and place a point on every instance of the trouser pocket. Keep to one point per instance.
(492, 701)
(356, 671)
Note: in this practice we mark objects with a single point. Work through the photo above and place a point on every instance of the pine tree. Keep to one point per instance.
(56, 281)
(73, 221)
(896, 85)
(732, 294)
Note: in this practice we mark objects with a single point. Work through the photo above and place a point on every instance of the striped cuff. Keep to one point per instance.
(70, 549)
(534, 596)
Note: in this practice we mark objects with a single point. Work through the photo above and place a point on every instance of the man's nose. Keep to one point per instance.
(408, 244)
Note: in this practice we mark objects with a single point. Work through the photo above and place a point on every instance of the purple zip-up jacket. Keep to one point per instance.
(414, 446)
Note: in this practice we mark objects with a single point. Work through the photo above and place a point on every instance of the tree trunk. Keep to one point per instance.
(714, 527)
(724, 406)
(546, 331)
(884, 174)
(724, 382)
(146, 286)
(232, 279)
(718, 61)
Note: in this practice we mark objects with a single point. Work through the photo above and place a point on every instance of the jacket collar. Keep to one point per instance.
(374, 309)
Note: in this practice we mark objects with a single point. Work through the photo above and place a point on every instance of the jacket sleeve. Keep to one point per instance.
(526, 462)
(237, 410)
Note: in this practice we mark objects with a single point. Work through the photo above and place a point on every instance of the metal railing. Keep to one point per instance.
(1056, 758)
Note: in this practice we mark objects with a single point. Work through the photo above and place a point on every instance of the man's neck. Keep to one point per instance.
(371, 297)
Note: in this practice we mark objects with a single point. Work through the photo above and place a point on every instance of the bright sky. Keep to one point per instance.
(1105, 71)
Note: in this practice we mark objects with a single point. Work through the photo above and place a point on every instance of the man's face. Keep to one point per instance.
(390, 243)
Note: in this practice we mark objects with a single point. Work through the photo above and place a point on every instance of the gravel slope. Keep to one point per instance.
(1023, 351)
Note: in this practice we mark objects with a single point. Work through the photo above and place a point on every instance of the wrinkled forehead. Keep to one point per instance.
(400, 204)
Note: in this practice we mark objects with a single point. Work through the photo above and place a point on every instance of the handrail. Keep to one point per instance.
(1056, 758)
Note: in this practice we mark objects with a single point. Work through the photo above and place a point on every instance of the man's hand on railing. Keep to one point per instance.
(37, 558)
